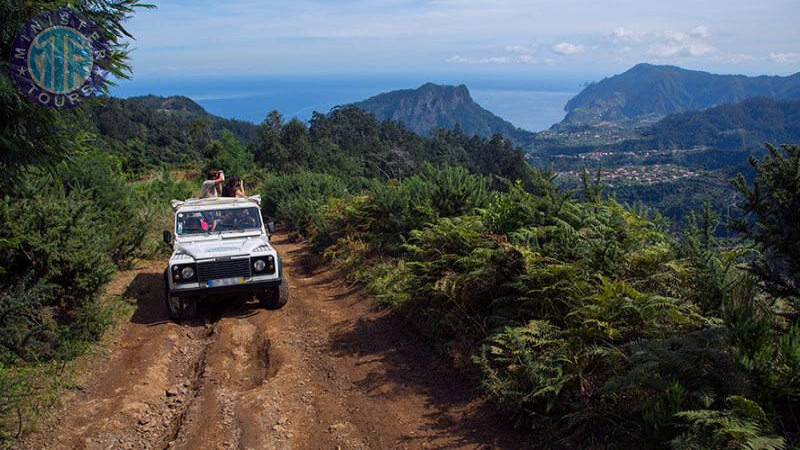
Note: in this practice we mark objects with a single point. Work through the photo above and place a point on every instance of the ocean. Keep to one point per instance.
(529, 103)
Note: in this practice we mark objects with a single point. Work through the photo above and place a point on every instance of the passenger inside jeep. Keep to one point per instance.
(237, 219)
(192, 224)
(218, 220)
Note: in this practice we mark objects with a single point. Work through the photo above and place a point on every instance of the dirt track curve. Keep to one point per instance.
(327, 371)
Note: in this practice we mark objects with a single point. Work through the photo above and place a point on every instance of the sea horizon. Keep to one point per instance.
(533, 104)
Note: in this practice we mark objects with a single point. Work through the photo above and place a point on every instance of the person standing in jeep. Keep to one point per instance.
(234, 188)
(209, 187)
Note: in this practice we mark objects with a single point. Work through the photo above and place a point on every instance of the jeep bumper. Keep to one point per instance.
(252, 287)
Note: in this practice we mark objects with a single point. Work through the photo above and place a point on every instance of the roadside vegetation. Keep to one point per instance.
(69, 218)
(587, 321)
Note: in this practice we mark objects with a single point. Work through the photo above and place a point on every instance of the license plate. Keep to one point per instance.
(226, 282)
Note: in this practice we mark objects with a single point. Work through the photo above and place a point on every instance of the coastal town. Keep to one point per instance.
(643, 175)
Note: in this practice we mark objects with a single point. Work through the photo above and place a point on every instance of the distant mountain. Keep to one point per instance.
(744, 125)
(647, 93)
(435, 106)
(173, 103)
(158, 128)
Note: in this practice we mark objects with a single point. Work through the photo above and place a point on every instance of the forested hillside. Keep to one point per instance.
(351, 142)
(646, 93)
(149, 131)
(709, 147)
(739, 126)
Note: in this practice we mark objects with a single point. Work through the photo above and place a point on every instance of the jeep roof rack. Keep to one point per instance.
(215, 201)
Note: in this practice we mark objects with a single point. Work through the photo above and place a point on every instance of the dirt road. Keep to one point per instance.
(327, 371)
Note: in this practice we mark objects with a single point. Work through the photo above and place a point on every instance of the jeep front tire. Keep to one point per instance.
(275, 297)
(179, 308)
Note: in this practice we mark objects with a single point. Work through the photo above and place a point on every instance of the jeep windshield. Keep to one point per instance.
(217, 221)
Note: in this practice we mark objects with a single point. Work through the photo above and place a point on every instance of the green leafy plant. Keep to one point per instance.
(742, 424)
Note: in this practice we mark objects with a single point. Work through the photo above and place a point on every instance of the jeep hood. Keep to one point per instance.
(217, 248)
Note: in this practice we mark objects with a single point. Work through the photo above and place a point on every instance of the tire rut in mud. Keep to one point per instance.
(237, 361)
(194, 385)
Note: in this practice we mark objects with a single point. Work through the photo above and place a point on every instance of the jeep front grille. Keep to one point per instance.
(214, 270)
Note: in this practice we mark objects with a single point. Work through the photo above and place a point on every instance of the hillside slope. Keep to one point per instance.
(744, 125)
(436, 106)
(646, 93)
(160, 128)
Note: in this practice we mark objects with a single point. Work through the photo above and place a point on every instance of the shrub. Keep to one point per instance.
(62, 236)
(527, 365)
(64, 241)
(575, 313)
(385, 213)
(771, 208)
(228, 155)
(297, 199)
(583, 318)
(742, 424)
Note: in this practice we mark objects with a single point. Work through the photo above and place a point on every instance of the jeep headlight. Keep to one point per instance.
(187, 273)
(259, 265)
(263, 265)
(183, 273)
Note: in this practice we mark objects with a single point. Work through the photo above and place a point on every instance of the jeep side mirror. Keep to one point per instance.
(167, 237)
(271, 227)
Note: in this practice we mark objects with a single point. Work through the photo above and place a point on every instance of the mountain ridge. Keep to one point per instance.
(731, 126)
(646, 93)
(433, 106)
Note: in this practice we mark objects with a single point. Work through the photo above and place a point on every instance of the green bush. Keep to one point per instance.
(742, 424)
(383, 214)
(64, 241)
(228, 155)
(583, 318)
(163, 188)
(62, 236)
(154, 198)
(297, 199)
(68, 237)
(100, 180)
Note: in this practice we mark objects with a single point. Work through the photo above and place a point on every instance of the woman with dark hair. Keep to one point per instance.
(233, 188)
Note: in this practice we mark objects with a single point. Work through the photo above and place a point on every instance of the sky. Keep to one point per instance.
(212, 38)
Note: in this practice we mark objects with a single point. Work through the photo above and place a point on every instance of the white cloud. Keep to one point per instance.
(516, 54)
(519, 59)
(521, 49)
(700, 32)
(566, 48)
(626, 35)
(525, 59)
(680, 43)
(672, 49)
(785, 58)
(739, 58)
(676, 36)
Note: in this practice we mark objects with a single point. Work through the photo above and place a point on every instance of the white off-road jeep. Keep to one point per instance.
(221, 249)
